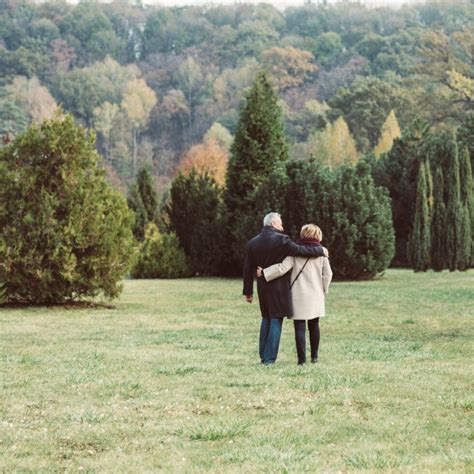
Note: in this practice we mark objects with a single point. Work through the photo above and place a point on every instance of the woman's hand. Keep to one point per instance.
(259, 272)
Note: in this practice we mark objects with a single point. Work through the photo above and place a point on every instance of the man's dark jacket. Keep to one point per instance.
(265, 249)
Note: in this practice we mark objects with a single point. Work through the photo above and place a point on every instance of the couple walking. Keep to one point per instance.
(298, 295)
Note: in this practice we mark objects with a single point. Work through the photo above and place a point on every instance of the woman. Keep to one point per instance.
(310, 281)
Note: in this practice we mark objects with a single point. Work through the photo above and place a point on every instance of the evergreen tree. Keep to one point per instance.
(389, 133)
(360, 232)
(195, 214)
(143, 201)
(420, 239)
(136, 205)
(467, 202)
(397, 170)
(438, 223)
(259, 148)
(466, 136)
(454, 210)
(65, 233)
(305, 195)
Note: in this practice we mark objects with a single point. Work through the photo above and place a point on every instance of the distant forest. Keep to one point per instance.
(162, 87)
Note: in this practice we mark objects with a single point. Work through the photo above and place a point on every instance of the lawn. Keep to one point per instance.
(169, 381)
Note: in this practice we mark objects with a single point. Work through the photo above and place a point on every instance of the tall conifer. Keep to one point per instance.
(466, 233)
(454, 209)
(419, 244)
(438, 224)
(258, 149)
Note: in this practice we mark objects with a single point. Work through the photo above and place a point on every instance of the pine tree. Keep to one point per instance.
(467, 203)
(259, 148)
(454, 209)
(66, 233)
(420, 239)
(389, 133)
(438, 223)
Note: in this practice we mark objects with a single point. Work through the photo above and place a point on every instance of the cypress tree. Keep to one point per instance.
(397, 170)
(466, 244)
(419, 243)
(438, 223)
(465, 135)
(454, 209)
(258, 149)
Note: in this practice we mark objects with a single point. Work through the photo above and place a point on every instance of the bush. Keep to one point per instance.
(65, 233)
(160, 256)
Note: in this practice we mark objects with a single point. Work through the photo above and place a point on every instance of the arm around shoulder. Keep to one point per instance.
(295, 250)
(279, 269)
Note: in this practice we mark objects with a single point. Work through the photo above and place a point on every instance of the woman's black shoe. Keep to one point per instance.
(314, 360)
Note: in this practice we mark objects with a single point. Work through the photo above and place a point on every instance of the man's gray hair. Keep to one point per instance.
(270, 217)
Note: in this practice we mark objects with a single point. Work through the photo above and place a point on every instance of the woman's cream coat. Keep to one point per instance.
(310, 288)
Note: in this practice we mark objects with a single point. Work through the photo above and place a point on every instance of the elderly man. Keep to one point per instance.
(267, 248)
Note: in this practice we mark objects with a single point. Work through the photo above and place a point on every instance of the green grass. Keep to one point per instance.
(170, 381)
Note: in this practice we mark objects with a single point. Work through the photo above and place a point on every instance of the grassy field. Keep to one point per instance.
(169, 381)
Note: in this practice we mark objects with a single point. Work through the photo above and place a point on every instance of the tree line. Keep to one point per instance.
(67, 234)
(154, 81)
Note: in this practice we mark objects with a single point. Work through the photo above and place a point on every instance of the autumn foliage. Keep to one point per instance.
(208, 157)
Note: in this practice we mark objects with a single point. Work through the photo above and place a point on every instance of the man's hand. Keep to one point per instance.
(259, 272)
(248, 298)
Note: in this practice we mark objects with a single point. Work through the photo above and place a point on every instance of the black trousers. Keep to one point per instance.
(300, 338)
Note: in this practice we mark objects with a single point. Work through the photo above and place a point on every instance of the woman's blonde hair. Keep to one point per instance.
(311, 231)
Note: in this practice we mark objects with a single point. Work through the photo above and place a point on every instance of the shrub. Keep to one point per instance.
(160, 256)
(65, 233)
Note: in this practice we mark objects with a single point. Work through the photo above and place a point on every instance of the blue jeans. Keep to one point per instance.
(270, 332)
